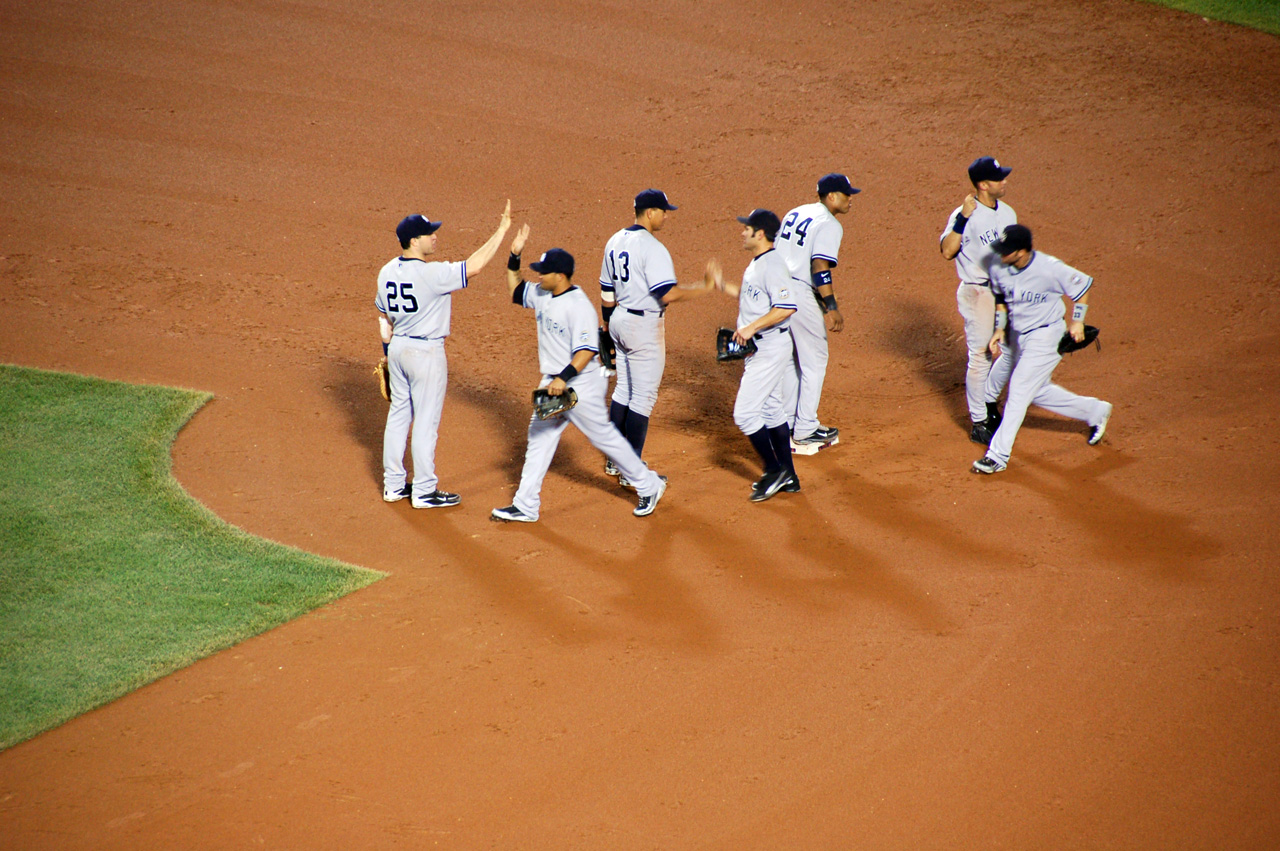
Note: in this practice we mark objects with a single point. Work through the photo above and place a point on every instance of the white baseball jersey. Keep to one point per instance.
(415, 296)
(765, 285)
(985, 227)
(637, 270)
(1034, 293)
(809, 232)
(566, 324)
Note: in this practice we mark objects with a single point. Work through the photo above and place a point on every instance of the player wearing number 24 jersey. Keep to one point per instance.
(414, 303)
(809, 242)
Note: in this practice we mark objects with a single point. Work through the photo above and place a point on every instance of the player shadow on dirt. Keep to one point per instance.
(1124, 530)
(936, 349)
(656, 595)
(701, 405)
(355, 392)
(788, 570)
(452, 541)
(889, 509)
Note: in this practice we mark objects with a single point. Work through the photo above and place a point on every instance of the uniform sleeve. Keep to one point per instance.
(826, 242)
(380, 300)
(583, 331)
(1073, 282)
(528, 295)
(606, 273)
(779, 285)
(660, 272)
(452, 277)
(951, 223)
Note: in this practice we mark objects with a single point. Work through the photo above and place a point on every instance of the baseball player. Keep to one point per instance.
(767, 393)
(568, 341)
(809, 242)
(1030, 320)
(637, 283)
(967, 239)
(414, 303)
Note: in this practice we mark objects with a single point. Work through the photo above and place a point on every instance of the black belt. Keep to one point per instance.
(761, 335)
(976, 284)
(642, 312)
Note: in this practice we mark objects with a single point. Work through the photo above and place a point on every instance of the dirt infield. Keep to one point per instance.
(1078, 653)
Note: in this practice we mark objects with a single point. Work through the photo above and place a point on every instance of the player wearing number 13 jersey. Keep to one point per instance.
(637, 282)
(414, 303)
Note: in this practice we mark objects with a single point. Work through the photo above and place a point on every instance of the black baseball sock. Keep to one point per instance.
(762, 440)
(780, 437)
(618, 416)
(637, 430)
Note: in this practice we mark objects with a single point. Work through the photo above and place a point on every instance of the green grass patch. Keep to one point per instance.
(1258, 14)
(110, 574)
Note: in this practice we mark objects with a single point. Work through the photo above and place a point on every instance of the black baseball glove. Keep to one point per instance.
(546, 406)
(607, 351)
(727, 349)
(1069, 344)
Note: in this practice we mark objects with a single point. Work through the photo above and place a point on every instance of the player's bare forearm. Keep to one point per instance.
(678, 293)
(1075, 327)
(770, 319)
(485, 253)
(950, 246)
(517, 248)
(384, 328)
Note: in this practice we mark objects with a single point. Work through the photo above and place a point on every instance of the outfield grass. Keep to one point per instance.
(1259, 14)
(110, 575)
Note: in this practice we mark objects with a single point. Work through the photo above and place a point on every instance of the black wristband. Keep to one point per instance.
(830, 302)
(513, 262)
(566, 375)
(961, 221)
(606, 310)
(386, 349)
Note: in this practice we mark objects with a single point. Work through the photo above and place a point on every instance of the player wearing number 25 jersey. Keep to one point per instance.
(414, 302)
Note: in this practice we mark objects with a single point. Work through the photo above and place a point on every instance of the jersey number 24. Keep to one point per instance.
(403, 292)
(801, 230)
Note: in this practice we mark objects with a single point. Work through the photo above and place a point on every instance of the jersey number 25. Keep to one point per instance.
(404, 292)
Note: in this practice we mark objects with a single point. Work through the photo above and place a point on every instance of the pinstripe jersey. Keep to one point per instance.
(637, 270)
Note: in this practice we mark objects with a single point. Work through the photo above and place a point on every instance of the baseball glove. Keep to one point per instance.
(383, 372)
(727, 349)
(1068, 344)
(545, 405)
(607, 351)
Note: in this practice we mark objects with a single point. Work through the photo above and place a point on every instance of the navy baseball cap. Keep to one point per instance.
(554, 260)
(415, 225)
(987, 168)
(764, 220)
(1015, 238)
(835, 182)
(653, 199)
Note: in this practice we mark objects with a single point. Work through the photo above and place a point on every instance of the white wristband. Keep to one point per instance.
(1078, 312)
(1002, 319)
